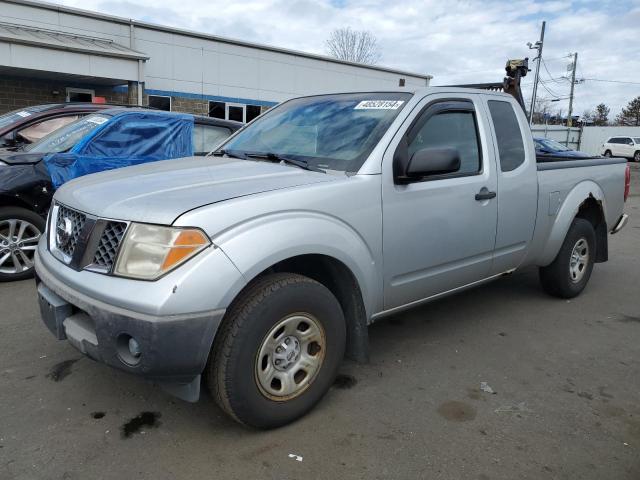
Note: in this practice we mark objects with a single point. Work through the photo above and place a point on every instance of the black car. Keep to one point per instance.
(547, 149)
(108, 139)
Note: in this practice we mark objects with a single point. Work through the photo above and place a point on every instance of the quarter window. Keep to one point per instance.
(455, 129)
(508, 135)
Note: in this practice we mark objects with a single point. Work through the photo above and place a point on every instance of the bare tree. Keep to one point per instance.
(543, 111)
(353, 46)
(587, 117)
(630, 116)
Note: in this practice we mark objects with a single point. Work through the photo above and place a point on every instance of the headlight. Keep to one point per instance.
(149, 251)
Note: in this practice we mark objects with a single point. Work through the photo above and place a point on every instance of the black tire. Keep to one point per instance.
(21, 215)
(636, 156)
(232, 372)
(607, 153)
(557, 278)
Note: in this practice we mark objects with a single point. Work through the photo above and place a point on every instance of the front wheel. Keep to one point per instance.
(278, 350)
(569, 273)
(607, 153)
(636, 156)
(20, 230)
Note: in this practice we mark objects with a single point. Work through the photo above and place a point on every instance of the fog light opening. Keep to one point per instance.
(134, 348)
(129, 349)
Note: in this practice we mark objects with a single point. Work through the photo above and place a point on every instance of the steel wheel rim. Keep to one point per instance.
(18, 243)
(579, 260)
(290, 357)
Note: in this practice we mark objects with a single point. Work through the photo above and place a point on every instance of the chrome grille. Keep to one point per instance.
(67, 243)
(107, 250)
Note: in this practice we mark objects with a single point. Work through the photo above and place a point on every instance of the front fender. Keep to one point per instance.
(261, 242)
(566, 213)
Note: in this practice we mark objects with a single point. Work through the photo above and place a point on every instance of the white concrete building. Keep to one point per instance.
(54, 53)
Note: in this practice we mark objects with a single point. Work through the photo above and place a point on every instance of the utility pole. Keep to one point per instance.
(538, 46)
(573, 82)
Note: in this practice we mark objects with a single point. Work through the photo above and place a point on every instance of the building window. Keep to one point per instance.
(235, 112)
(80, 95)
(217, 110)
(160, 102)
(252, 112)
(238, 112)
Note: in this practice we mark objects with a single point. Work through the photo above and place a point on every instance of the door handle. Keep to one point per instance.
(485, 194)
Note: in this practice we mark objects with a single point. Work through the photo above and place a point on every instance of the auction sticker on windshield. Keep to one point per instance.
(23, 114)
(379, 105)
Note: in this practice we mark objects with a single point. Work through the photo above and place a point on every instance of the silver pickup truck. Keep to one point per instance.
(260, 267)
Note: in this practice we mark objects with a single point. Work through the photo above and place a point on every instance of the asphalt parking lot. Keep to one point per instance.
(565, 376)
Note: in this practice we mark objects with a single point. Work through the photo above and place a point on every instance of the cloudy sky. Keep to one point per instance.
(456, 41)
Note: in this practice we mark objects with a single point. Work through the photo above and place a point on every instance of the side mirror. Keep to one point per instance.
(433, 161)
(9, 140)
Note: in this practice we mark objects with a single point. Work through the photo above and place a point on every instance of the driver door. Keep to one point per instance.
(437, 235)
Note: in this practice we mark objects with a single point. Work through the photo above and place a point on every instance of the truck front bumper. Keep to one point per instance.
(170, 350)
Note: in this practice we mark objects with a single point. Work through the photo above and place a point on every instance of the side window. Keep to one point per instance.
(208, 137)
(449, 128)
(614, 140)
(508, 135)
(36, 131)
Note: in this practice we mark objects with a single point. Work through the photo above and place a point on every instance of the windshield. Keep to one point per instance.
(551, 145)
(335, 132)
(12, 117)
(65, 138)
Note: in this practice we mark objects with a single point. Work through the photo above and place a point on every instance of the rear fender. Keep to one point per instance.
(567, 212)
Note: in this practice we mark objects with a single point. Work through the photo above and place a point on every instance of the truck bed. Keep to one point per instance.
(561, 179)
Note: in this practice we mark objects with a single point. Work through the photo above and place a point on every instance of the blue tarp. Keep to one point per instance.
(127, 138)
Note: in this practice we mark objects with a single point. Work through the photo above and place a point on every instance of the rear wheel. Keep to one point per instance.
(278, 350)
(569, 273)
(607, 153)
(20, 230)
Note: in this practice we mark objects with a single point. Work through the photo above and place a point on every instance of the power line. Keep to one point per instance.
(610, 81)
(548, 90)
(555, 80)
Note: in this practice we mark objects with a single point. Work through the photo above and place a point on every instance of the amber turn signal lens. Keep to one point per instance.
(187, 242)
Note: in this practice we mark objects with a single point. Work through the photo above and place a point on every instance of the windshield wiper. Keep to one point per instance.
(274, 157)
(220, 153)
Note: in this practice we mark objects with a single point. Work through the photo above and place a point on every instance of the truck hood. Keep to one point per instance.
(160, 192)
